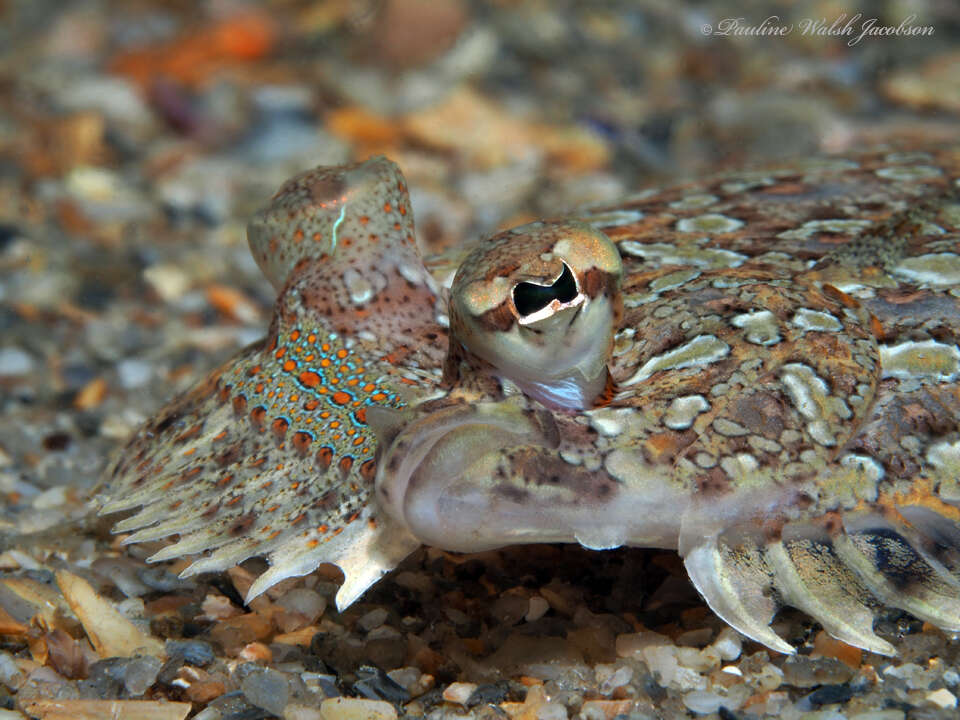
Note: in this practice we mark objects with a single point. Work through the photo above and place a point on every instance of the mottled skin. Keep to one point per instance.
(274, 452)
(771, 386)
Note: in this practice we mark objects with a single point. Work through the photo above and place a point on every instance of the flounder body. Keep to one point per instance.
(760, 370)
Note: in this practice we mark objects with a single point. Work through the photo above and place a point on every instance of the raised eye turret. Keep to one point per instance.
(539, 304)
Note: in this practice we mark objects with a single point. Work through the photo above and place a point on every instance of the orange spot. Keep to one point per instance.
(361, 416)
(341, 398)
(324, 363)
(323, 528)
(258, 387)
(379, 396)
(233, 500)
(280, 353)
(311, 405)
(358, 440)
(317, 237)
(310, 379)
(220, 435)
(353, 517)
(272, 508)
(341, 353)
(325, 347)
(369, 387)
(298, 235)
(295, 335)
(312, 543)
(311, 338)
(225, 480)
(289, 365)
(364, 219)
(403, 210)
(387, 207)
(335, 424)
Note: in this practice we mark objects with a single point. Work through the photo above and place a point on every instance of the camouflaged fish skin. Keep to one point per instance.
(767, 379)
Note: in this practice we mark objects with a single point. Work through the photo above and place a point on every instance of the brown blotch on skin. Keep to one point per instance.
(324, 458)
(257, 417)
(512, 493)
(301, 443)
(189, 433)
(500, 318)
(832, 524)
(230, 455)
(762, 413)
(326, 189)
(713, 482)
(242, 524)
(368, 470)
(594, 283)
(279, 428)
(664, 447)
(239, 405)
(840, 296)
(329, 500)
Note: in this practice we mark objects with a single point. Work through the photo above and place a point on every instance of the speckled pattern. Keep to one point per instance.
(782, 405)
(274, 452)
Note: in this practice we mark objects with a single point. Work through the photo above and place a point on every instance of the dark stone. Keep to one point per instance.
(374, 684)
(193, 652)
(829, 694)
(490, 694)
(56, 442)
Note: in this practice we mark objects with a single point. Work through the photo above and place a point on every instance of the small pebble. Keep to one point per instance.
(728, 644)
(356, 709)
(702, 702)
(459, 692)
(140, 674)
(193, 652)
(537, 609)
(373, 619)
(14, 361)
(10, 675)
(267, 689)
(942, 698)
(133, 373)
(296, 711)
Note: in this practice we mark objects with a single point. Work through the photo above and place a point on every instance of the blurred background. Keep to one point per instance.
(136, 137)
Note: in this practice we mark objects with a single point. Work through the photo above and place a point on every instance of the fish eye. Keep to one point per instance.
(529, 298)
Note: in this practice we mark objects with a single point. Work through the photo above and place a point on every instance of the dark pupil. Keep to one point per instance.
(528, 297)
